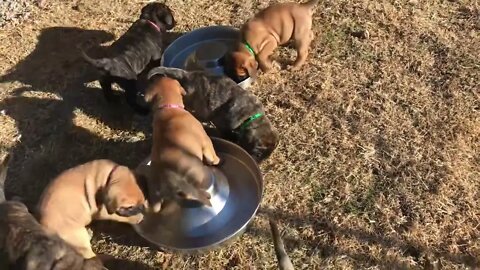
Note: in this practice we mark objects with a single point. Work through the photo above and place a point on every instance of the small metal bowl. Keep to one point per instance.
(202, 49)
(236, 191)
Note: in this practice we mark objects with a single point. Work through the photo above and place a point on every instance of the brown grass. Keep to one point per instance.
(378, 165)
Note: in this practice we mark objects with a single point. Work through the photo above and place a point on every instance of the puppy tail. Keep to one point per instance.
(103, 63)
(3, 176)
(175, 73)
(284, 262)
(310, 4)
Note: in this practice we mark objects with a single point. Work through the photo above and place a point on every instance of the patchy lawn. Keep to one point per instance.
(378, 165)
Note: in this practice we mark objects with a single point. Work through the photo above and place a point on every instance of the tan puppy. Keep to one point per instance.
(99, 189)
(179, 145)
(271, 27)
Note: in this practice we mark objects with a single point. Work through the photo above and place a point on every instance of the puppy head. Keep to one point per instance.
(259, 139)
(240, 65)
(160, 14)
(185, 191)
(123, 195)
(158, 84)
(188, 187)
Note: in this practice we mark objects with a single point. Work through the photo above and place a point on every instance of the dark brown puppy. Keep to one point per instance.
(235, 112)
(133, 52)
(26, 243)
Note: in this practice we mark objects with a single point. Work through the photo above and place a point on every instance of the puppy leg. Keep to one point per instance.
(209, 155)
(154, 190)
(80, 240)
(106, 84)
(302, 44)
(130, 87)
(263, 57)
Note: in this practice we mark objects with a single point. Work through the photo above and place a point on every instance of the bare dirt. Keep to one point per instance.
(378, 165)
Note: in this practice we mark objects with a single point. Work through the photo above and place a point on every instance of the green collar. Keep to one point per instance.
(249, 48)
(247, 122)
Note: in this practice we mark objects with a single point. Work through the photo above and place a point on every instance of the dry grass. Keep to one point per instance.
(378, 165)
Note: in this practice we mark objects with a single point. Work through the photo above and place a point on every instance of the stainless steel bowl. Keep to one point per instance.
(202, 49)
(236, 190)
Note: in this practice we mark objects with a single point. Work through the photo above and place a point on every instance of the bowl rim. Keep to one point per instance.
(195, 31)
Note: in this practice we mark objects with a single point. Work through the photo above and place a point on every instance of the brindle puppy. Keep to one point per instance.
(235, 112)
(134, 52)
(28, 246)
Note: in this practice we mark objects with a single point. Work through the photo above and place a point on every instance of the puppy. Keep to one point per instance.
(284, 262)
(235, 112)
(99, 189)
(26, 243)
(179, 145)
(138, 49)
(260, 36)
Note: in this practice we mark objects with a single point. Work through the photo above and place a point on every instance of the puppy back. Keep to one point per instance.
(73, 191)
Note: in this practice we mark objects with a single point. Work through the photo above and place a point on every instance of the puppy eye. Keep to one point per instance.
(181, 194)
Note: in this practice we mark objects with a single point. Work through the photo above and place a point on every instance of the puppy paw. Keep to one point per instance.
(211, 161)
(210, 157)
(293, 67)
(90, 232)
(276, 66)
(156, 207)
(216, 160)
(265, 67)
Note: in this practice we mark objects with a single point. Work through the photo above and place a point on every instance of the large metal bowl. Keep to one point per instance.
(236, 192)
(202, 49)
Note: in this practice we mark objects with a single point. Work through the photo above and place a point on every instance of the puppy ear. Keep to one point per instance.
(111, 192)
(150, 92)
(182, 91)
(146, 11)
(142, 182)
(149, 95)
(110, 202)
(165, 15)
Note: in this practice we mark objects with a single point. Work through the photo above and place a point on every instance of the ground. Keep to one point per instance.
(378, 163)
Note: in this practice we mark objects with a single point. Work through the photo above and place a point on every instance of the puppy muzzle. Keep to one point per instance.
(130, 211)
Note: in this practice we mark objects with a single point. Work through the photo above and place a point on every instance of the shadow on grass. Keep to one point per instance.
(54, 75)
(122, 234)
(327, 248)
(126, 265)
